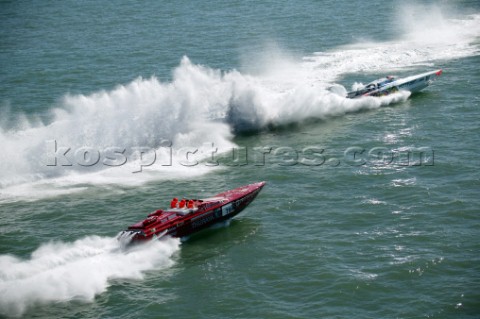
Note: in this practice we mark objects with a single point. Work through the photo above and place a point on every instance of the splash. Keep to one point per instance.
(144, 114)
(427, 35)
(202, 106)
(291, 92)
(439, 25)
(295, 105)
(75, 271)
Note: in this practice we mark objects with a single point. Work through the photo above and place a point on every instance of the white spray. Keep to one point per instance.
(80, 270)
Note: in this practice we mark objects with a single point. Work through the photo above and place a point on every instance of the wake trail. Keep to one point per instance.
(204, 107)
(60, 271)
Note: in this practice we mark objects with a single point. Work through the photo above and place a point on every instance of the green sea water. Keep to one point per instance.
(370, 208)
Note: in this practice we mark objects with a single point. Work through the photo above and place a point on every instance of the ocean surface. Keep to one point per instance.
(371, 208)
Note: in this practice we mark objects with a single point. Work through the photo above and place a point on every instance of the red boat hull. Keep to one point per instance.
(187, 217)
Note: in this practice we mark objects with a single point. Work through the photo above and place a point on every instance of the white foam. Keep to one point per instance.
(201, 106)
(285, 94)
(427, 36)
(60, 271)
(142, 114)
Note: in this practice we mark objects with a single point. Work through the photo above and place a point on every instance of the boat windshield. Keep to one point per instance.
(386, 80)
(183, 211)
(381, 82)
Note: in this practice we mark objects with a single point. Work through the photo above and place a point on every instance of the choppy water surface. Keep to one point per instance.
(371, 207)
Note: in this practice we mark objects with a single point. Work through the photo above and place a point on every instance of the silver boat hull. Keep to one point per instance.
(390, 84)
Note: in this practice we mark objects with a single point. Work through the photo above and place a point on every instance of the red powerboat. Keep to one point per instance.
(187, 216)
